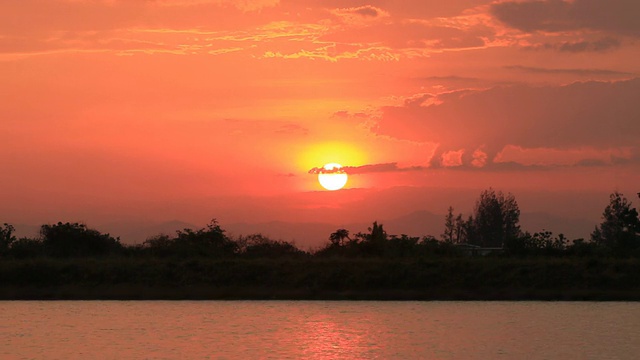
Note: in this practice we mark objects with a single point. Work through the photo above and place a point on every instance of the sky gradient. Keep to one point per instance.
(157, 110)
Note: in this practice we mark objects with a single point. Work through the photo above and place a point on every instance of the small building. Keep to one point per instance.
(475, 250)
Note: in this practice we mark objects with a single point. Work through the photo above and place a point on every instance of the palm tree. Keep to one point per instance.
(337, 237)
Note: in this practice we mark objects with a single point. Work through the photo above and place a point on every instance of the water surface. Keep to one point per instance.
(318, 330)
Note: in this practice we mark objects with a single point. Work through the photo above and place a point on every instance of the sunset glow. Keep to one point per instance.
(119, 113)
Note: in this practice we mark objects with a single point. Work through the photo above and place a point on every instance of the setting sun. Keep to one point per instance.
(334, 178)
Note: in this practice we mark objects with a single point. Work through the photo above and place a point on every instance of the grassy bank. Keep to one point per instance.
(374, 279)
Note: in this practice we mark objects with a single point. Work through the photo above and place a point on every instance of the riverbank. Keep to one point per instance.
(322, 279)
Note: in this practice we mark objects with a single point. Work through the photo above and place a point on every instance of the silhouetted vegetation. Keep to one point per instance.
(207, 242)
(485, 256)
(620, 228)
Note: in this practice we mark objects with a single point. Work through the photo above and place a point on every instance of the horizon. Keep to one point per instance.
(119, 112)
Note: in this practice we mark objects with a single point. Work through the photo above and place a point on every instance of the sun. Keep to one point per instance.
(334, 178)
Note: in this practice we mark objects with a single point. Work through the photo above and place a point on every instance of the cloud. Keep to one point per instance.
(563, 157)
(451, 78)
(366, 169)
(359, 16)
(415, 38)
(601, 45)
(479, 158)
(511, 158)
(366, 11)
(586, 114)
(611, 16)
(452, 158)
(583, 72)
(604, 44)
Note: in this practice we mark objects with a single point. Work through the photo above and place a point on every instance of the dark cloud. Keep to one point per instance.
(587, 72)
(509, 166)
(322, 170)
(378, 168)
(612, 16)
(504, 166)
(588, 114)
(592, 163)
(366, 169)
(601, 45)
(465, 42)
(604, 44)
(366, 11)
(452, 78)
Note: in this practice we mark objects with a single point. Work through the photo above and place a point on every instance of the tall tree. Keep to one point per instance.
(459, 229)
(620, 227)
(449, 226)
(496, 219)
(375, 242)
(378, 235)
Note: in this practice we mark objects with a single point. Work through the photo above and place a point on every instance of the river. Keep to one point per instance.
(318, 330)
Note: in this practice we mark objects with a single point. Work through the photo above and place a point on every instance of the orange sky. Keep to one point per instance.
(118, 110)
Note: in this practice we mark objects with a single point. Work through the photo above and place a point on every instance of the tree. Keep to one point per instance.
(260, 246)
(27, 248)
(74, 239)
(6, 238)
(459, 229)
(373, 243)
(496, 219)
(620, 227)
(337, 237)
(449, 226)
(209, 241)
(159, 245)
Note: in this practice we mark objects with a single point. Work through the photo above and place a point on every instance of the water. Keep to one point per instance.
(318, 330)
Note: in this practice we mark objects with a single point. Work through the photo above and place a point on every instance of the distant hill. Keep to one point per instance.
(138, 232)
(313, 235)
(310, 235)
(572, 228)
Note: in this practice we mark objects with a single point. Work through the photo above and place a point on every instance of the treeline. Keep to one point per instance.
(76, 240)
(492, 228)
(72, 261)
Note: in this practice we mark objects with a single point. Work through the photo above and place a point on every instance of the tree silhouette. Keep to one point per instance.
(620, 228)
(377, 235)
(74, 239)
(6, 238)
(260, 246)
(449, 226)
(209, 241)
(459, 229)
(337, 238)
(495, 219)
(376, 240)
